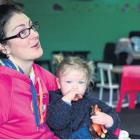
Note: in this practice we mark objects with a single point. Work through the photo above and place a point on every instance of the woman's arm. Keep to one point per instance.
(5, 98)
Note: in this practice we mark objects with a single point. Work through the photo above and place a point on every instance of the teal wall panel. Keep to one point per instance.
(83, 24)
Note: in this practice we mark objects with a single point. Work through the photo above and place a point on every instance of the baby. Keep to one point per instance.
(69, 108)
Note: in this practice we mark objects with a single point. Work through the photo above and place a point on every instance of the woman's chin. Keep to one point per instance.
(39, 54)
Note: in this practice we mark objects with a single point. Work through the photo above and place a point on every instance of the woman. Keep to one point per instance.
(24, 86)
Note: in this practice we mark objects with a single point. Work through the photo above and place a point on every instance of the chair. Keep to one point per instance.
(130, 85)
(109, 55)
(106, 81)
(134, 33)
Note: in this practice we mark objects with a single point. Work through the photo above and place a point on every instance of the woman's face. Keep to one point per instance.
(27, 49)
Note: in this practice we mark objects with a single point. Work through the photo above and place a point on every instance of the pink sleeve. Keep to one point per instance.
(5, 98)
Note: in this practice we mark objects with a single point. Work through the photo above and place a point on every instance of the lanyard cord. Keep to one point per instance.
(10, 64)
(35, 107)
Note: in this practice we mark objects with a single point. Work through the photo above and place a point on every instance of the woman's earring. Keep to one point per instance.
(0, 48)
(4, 51)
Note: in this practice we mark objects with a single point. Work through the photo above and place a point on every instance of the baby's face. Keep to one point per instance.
(74, 81)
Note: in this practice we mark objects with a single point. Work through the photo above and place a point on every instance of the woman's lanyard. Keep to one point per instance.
(10, 64)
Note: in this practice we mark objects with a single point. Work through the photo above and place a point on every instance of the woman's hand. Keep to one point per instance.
(102, 118)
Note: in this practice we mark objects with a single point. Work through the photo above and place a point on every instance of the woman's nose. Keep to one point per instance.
(34, 34)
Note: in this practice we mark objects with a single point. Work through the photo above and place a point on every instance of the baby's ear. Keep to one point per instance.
(58, 82)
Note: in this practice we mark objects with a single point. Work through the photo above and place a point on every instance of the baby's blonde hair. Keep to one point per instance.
(76, 63)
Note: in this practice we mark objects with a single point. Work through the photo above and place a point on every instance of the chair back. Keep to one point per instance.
(109, 55)
(105, 71)
(106, 82)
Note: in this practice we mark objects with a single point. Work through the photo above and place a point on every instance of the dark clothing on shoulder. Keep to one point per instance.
(64, 119)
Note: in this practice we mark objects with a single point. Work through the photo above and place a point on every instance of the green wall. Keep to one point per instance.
(83, 24)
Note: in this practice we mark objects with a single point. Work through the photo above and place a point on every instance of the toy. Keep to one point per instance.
(97, 130)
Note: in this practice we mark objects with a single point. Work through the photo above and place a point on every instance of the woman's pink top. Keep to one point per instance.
(16, 112)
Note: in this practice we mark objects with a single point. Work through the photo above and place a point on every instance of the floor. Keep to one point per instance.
(130, 119)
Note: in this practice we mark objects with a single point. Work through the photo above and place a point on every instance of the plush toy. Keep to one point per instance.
(97, 130)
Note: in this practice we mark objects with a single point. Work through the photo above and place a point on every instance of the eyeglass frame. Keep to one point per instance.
(34, 26)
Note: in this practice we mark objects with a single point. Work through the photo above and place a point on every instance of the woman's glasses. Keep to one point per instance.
(24, 33)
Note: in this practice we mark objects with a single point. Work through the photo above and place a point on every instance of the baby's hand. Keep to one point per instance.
(71, 95)
(102, 118)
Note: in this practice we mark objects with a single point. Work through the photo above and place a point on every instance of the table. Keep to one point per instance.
(136, 55)
(117, 69)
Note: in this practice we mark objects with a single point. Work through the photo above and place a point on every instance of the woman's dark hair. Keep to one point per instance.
(6, 12)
